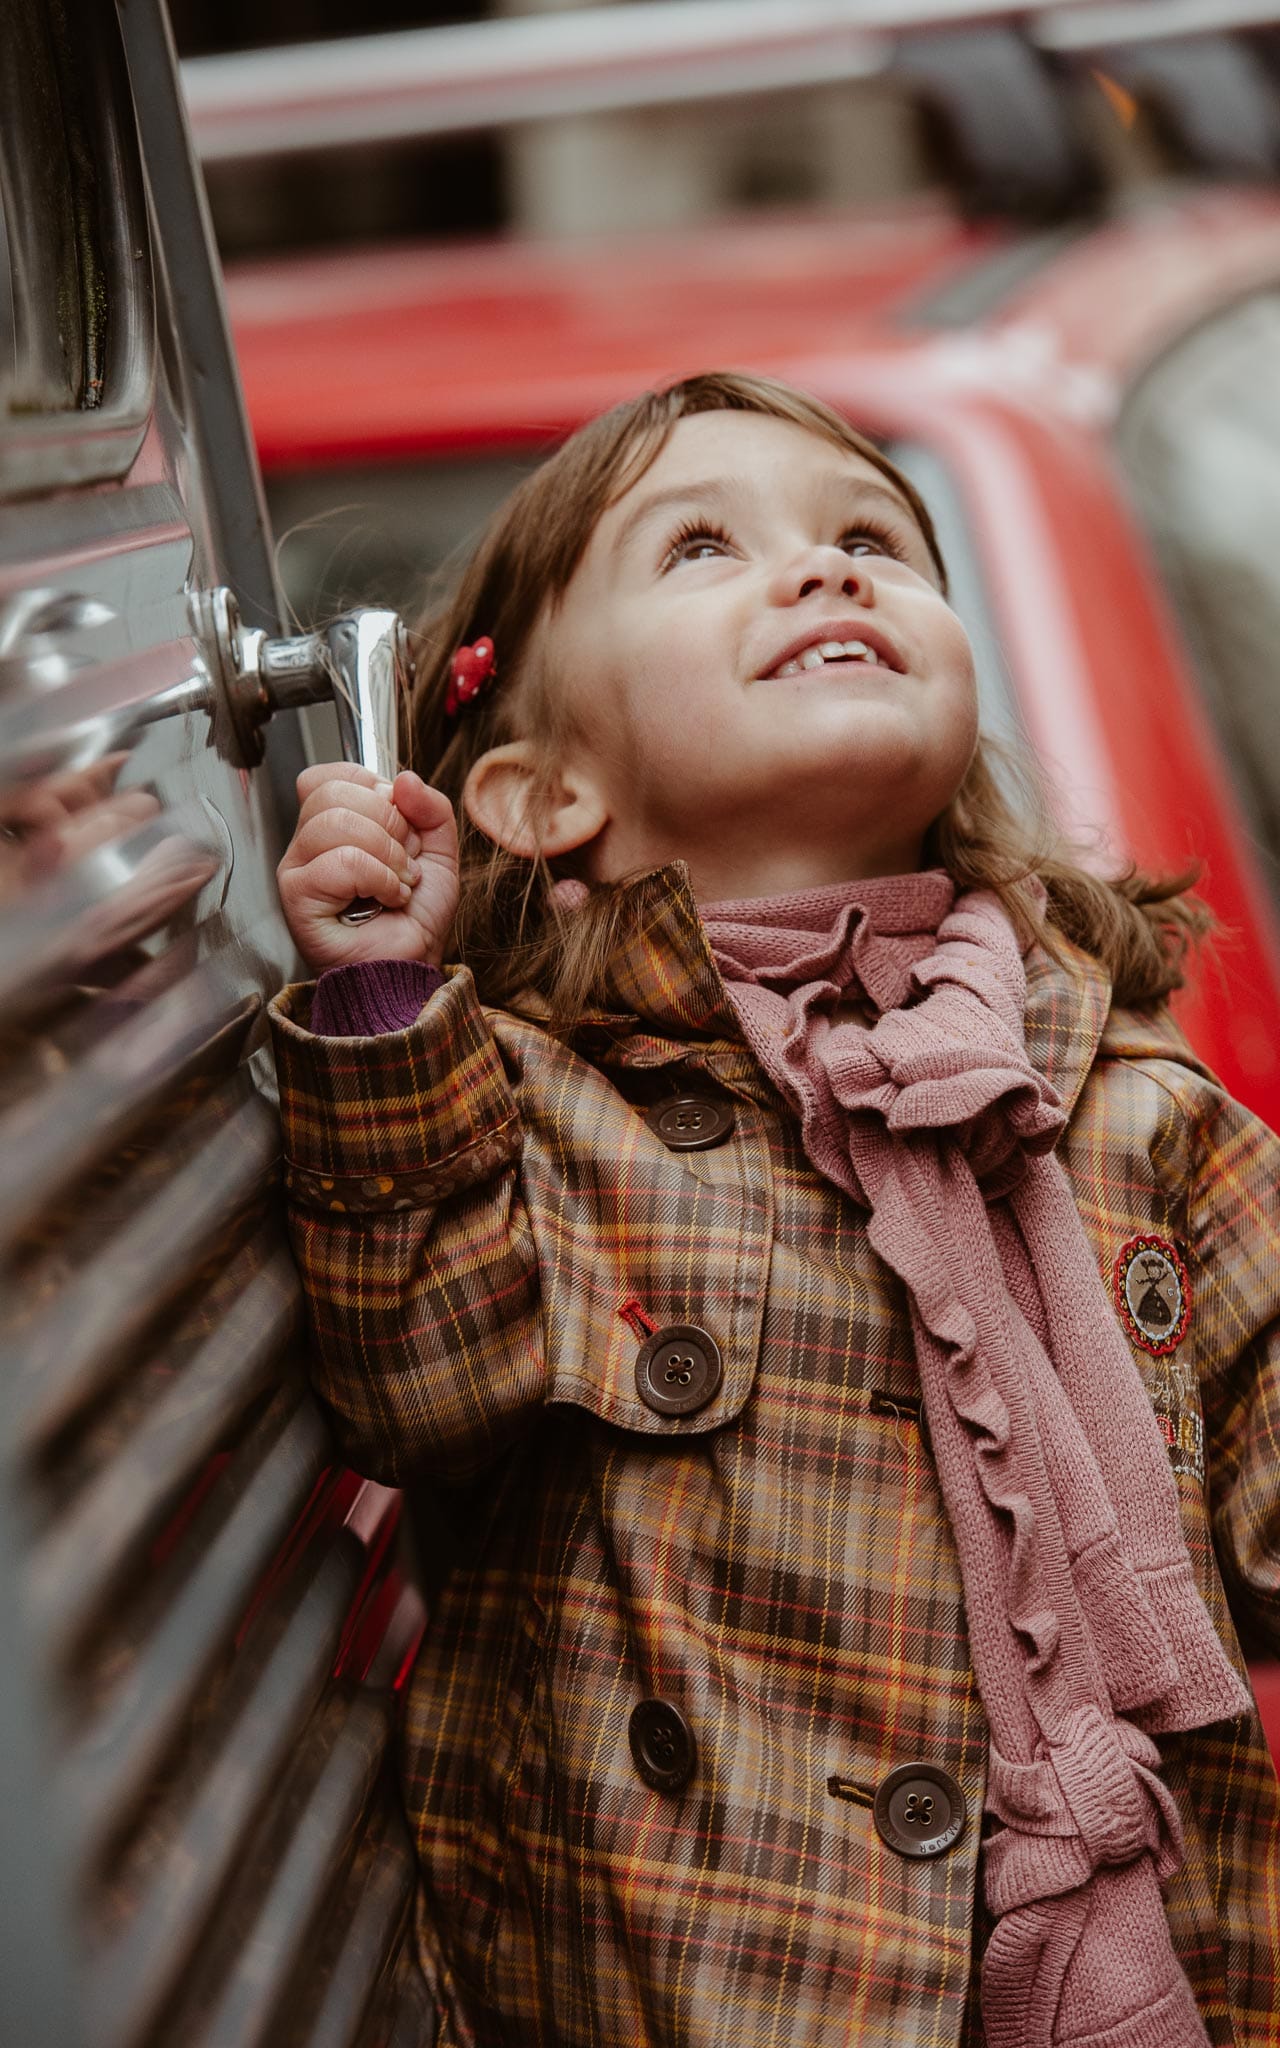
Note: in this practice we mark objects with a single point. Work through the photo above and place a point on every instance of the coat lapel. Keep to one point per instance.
(1067, 1005)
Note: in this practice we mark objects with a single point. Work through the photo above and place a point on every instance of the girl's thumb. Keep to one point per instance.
(426, 809)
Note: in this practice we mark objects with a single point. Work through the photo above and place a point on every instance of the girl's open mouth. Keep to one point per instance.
(872, 652)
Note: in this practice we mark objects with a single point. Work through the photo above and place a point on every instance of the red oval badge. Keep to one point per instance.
(1152, 1293)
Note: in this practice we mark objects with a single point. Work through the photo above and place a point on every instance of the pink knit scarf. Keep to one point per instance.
(1087, 1630)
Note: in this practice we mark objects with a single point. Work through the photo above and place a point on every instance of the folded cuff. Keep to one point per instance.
(375, 1121)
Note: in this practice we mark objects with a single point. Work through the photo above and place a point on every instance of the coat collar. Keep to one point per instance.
(1067, 1004)
(661, 983)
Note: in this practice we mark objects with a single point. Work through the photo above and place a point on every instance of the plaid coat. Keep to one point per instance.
(473, 1203)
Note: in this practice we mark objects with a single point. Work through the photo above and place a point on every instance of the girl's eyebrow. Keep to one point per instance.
(720, 491)
(714, 491)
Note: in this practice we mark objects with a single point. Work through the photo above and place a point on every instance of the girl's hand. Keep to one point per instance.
(356, 836)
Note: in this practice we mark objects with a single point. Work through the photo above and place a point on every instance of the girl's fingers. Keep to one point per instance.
(358, 836)
(409, 809)
(368, 801)
(328, 829)
(314, 778)
(326, 885)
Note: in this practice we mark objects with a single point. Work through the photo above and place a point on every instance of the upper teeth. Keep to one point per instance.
(827, 650)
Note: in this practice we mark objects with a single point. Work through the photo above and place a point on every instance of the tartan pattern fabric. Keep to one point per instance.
(472, 1204)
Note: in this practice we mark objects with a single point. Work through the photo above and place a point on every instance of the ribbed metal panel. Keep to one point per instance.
(200, 1626)
(104, 1534)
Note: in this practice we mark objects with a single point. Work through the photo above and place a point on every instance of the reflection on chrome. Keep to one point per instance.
(87, 871)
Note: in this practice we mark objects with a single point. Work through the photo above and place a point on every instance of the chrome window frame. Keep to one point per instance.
(97, 433)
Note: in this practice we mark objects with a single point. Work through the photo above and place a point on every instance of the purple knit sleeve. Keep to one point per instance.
(371, 996)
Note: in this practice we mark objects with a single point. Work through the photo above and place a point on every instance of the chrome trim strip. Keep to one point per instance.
(440, 81)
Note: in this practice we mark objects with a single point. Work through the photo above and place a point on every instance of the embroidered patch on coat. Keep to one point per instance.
(1184, 1434)
(1153, 1294)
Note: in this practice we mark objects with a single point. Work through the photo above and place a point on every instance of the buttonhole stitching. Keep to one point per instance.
(848, 1788)
(634, 1316)
(898, 1408)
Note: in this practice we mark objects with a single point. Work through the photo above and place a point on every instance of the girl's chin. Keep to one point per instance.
(884, 747)
(887, 768)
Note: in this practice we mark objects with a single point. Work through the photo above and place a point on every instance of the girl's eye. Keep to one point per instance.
(696, 541)
(701, 540)
(870, 538)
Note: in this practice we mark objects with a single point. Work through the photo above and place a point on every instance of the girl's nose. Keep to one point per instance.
(817, 570)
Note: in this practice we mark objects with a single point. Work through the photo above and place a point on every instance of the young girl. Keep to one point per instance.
(846, 1299)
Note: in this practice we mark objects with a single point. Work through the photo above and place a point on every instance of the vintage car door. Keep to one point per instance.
(201, 1618)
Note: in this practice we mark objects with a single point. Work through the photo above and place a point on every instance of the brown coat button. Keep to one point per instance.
(691, 1122)
(678, 1370)
(662, 1745)
(919, 1810)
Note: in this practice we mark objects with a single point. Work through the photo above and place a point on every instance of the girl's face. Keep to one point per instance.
(764, 677)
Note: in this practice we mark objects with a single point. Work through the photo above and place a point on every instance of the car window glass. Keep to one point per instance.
(1200, 440)
(997, 702)
(384, 535)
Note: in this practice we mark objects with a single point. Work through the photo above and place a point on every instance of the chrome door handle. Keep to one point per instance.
(360, 661)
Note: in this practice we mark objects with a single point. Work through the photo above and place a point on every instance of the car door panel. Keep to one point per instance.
(203, 1615)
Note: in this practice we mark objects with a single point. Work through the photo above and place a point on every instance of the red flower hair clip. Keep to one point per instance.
(471, 671)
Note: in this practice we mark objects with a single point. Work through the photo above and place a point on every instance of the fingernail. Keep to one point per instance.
(405, 892)
(414, 871)
(413, 844)
(383, 789)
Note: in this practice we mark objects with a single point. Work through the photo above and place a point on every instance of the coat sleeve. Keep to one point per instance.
(402, 1168)
(1234, 1219)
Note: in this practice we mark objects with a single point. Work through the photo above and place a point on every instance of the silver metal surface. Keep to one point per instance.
(114, 897)
(68, 1354)
(230, 487)
(369, 654)
(194, 1703)
(78, 276)
(102, 1538)
(107, 1773)
(369, 1932)
(371, 89)
(146, 1967)
(41, 2005)
(90, 1109)
(335, 1792)
(373, 674)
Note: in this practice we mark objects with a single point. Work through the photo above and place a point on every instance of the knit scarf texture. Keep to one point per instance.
(890, 1015)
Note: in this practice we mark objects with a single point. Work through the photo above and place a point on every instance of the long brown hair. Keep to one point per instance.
(510, 929)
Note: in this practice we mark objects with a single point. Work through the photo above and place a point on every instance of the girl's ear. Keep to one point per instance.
(498, 797)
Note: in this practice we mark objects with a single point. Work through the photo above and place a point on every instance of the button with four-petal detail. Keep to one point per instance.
(678, 1369)
(919, 1810)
